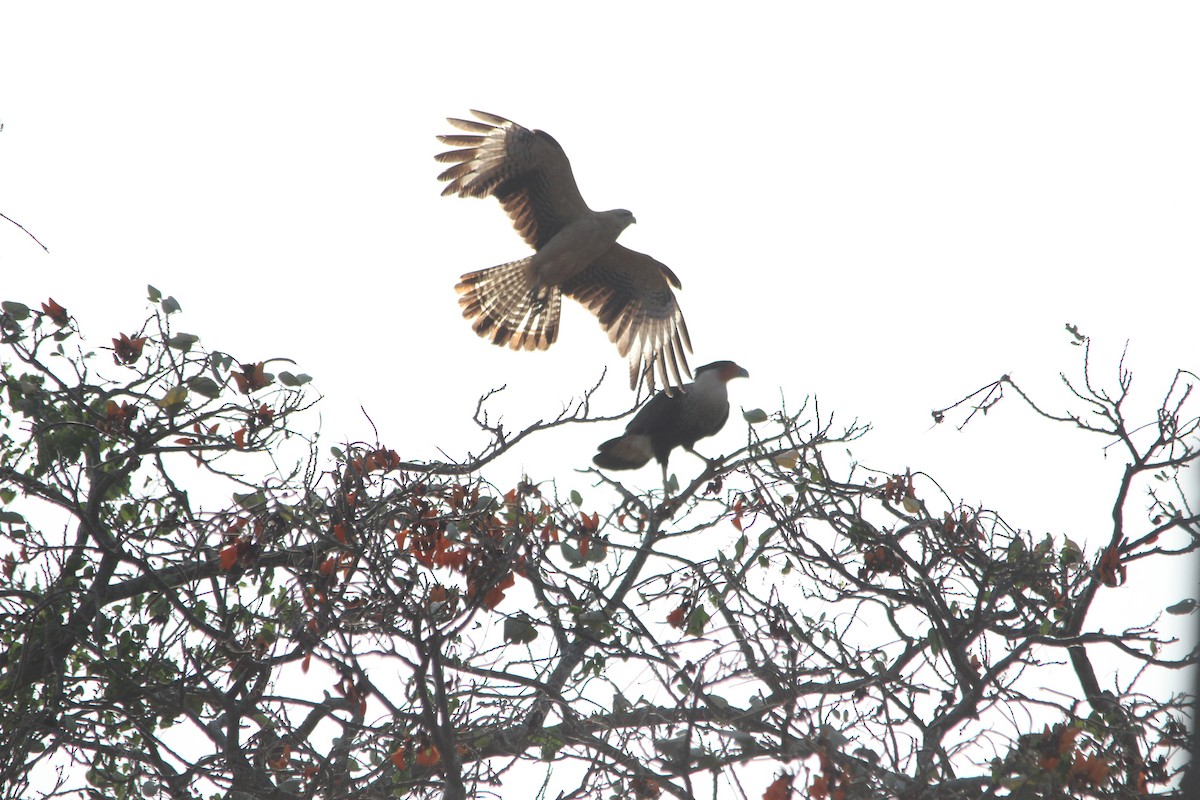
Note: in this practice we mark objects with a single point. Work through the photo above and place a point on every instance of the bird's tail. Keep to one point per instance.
(508, 308)
(630, 451)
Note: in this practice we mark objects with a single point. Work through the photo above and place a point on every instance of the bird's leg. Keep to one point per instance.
(667, 507)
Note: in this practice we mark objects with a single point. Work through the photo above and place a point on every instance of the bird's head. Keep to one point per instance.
(724, 371)
(623, 216)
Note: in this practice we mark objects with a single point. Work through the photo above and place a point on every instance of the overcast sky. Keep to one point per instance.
(886, 205)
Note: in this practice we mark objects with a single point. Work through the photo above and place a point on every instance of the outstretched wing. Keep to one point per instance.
(526, 170)
(630, 293)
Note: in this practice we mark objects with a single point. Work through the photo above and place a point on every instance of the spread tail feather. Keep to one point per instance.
(630, 451)
(508, 309)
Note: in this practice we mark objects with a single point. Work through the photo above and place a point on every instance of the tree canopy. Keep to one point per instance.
(198, 600)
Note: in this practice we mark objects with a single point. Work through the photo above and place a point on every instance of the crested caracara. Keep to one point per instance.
(576, 254)
(677, 420)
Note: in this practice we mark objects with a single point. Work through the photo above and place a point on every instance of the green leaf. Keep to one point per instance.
(205, 386)
(251, 501)
(550, 746)
(155, 294)
(1185, 606)
(288, 379)
(171, 305)
(598, 551)
(935, 642)
(17, 310)
(571, 554)
(1070, 553)
(697, 620)
(182, 341)
(595, 621)
(754, 416)
(787, 459)
(576, 498)
(1016, 550)
(221, 362)
(7, 496)
(11, 518)
(519, 630)
(173, 400)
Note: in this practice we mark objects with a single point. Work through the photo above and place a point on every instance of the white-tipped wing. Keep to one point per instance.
(527, 171)
(631, 295)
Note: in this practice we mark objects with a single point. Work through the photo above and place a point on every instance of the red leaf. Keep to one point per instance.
(251, 378)
(57, 314)
(126, 350)
(493, 598)
(780, 788)
(677, 617)
(229, 557)
(428, 757)
(1112, 571)
(284, 758)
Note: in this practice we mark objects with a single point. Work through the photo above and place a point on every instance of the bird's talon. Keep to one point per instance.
(668, 421)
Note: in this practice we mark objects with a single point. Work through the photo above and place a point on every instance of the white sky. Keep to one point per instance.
(887, 205)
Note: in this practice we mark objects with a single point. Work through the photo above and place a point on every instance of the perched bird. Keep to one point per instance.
(518, 303)
(670, 421)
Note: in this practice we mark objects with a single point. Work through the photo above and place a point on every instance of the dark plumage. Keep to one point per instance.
(676, 420)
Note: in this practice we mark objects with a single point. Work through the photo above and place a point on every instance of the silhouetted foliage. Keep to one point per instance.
(196, 602)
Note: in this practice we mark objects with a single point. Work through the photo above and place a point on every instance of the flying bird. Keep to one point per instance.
(681, 419)
(576, 253)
